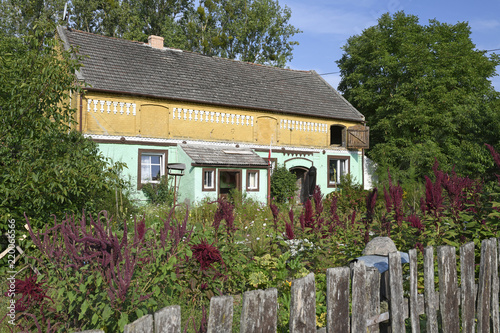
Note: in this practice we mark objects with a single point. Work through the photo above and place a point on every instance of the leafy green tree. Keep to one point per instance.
(425, 93)
(46, 167)
(249, 30)
(18, 17)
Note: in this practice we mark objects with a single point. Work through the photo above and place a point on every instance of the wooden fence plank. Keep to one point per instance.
(430, 290)
(259, 311)
(373, 291)
(396, 286)
(414, 315)
(168, 320)
(141, 325)
(359, 313)
(448, 289)
(467, 278)
(220, 319)
(495, 319)
(303, 305)
(484, 291)
(337, 299)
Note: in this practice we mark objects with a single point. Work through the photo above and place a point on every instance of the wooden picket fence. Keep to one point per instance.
(376, 303)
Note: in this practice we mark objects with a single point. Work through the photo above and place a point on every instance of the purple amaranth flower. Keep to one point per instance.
(225, 211)
(415, 222)
(289, 226)
(308, 215)
(275, 211)
(318, 200)
(206, 254)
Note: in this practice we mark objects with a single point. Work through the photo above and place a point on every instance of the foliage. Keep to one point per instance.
(425, 93)
(160, 193)
(94, 271)
(249, 30)
(219, 248)
(283, 184)
(46, 166)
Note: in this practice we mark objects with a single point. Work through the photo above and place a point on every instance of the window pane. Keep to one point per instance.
(208, 181)
(252, 180)
(155, 159)
(155, 172)
(333, 168)
(145, 172)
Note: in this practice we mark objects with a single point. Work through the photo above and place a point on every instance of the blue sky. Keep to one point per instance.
(327, 24)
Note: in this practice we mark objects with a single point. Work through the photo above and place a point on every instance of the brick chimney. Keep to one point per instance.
(155, 41)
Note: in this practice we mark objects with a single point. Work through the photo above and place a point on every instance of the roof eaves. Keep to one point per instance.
(339, 95)
(67, 47)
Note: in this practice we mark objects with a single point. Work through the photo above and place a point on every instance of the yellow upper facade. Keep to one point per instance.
(136, 116)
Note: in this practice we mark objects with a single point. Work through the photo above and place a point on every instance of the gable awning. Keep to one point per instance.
(224, 157)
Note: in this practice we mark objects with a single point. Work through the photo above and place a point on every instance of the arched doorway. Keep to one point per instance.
(305, 180)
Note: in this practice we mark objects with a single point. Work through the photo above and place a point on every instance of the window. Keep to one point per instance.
(253, 180)
(337, 135)
(338, 166)
(208, 179)
(152, 165)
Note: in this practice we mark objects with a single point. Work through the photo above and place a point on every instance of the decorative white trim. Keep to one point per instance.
(105, 105)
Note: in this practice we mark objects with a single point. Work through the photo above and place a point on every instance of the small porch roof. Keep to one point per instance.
(223, 156)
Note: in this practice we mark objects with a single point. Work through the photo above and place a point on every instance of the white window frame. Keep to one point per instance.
(211, 176)
(163, 154)
(253, 187)
(343, 161)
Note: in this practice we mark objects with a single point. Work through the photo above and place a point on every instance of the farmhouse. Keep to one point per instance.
(218, 122)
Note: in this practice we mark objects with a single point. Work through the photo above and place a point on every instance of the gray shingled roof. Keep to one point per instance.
(205, 155)
(136, 68)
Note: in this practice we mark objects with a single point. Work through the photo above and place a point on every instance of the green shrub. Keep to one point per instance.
(159, 193)
(283, 184)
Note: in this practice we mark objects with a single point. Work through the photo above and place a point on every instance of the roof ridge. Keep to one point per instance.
(103, 36)
(188, 51)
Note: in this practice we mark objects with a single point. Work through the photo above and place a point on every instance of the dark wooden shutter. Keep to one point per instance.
(358, 137)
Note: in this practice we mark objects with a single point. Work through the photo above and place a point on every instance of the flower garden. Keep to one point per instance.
(98, 272)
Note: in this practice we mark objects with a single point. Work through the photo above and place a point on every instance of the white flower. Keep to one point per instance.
(264, 225)
(258, 238)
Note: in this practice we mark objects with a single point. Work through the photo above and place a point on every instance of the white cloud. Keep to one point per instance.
(484, 24)
(331, 19)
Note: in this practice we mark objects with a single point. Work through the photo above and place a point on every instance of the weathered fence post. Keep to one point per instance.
(373, 291)
(220, 319)
(359, 313)
(259, 313)
(168, 320)
(303, 305)
(396, 286)
(141, 325)
(430, 290)
(468, 295)
(495, 320)
(448, 289)
(337, 299)
(414, 316)
(484, 292)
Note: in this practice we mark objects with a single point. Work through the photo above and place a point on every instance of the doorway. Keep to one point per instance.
(229, 180)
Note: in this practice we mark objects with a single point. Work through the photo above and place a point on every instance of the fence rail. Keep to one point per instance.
(360, 299)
